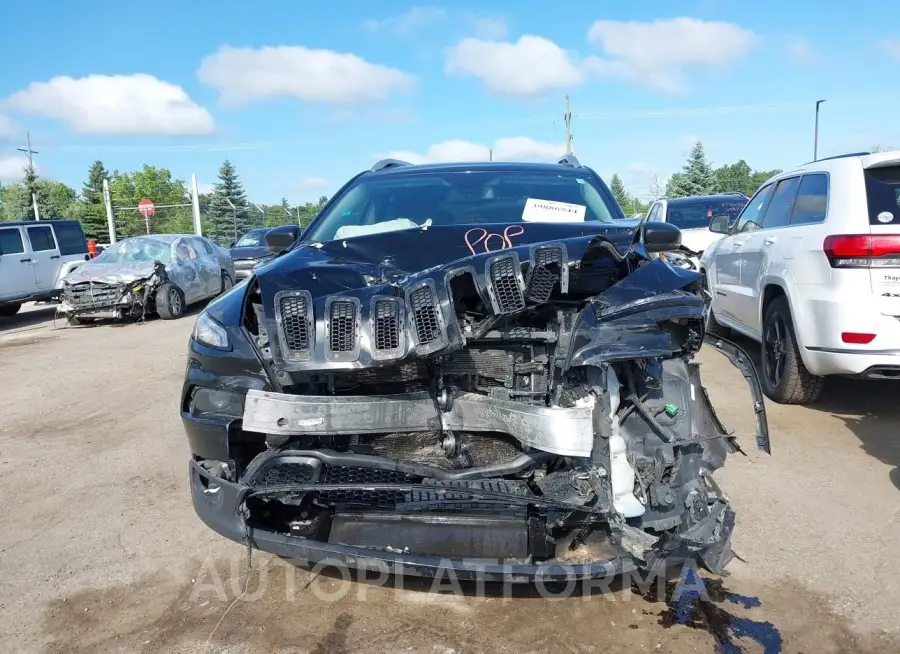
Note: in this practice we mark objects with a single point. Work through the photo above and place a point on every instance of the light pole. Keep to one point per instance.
(816, 142)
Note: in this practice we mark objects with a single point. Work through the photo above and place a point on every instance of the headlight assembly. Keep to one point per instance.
(210, 333)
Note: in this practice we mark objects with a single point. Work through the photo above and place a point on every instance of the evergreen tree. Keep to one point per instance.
(227, 224)
(618, 190)
(695, 178)
(32, 190)
(91, 209)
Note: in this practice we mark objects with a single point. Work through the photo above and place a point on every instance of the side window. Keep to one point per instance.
(201, 246)
(70, 239)
(812, 200)
(749, 220)
(11, 241)
(41, 238)
(654, 212)
(185, 251)
(779, 212)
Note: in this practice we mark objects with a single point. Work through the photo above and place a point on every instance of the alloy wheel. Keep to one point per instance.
(774, 344)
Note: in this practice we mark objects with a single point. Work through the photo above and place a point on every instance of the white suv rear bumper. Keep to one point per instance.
(826, 314)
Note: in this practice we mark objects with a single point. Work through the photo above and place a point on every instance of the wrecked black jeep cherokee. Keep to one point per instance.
(481, 366)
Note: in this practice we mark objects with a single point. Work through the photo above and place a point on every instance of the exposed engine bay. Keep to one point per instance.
(536, 405)
(125, 297)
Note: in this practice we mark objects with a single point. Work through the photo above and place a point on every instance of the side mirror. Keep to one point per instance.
(719, 224)
(279, 239)
(661, 237)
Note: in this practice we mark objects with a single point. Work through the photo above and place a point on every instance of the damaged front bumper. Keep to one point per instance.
(501, 547)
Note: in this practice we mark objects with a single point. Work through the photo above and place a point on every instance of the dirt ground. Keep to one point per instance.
(100, 549)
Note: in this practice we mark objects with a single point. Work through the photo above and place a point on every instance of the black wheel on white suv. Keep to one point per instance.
(785, 378)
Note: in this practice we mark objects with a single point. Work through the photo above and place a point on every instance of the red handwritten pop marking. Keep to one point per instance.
(484, 239)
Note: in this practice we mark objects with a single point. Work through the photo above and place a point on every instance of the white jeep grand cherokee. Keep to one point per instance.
(811, 271)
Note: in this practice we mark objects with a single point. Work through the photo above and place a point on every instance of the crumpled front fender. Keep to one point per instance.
(741, 360)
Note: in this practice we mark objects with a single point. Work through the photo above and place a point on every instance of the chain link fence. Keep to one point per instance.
(166, 219)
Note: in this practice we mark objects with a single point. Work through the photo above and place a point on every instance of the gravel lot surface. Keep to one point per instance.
(100, 549)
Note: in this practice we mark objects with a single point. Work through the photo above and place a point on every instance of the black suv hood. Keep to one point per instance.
(339, 266)
(253, 252)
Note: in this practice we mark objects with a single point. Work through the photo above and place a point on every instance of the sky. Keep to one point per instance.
(301, 95)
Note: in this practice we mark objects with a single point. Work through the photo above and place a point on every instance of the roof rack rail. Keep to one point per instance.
(570, 160)
(837, 156)
(388, 163)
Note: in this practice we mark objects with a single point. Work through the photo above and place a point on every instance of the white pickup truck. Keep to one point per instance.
(34, 257)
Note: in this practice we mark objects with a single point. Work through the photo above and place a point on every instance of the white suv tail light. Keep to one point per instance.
(863, 250)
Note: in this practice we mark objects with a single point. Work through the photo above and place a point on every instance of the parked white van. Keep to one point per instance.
(34, 257)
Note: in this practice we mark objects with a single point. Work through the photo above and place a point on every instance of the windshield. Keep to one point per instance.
(695, 214)
(379, 204)
(136, 250)
(253, 239)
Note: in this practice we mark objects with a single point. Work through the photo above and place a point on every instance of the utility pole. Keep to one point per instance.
(568, 120)
(816, 142)
(28, 150)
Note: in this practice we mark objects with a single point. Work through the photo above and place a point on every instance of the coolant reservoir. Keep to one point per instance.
(621, 473)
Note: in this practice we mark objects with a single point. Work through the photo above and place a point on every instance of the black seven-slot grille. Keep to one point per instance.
(386, 325)
(545, 274)
(387, 319)
(425, 315)
(504, 277)
(342, 337)
(90, 296)
(295, 322)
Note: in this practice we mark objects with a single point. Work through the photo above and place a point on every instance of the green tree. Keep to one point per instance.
(739, 177)
(695, 178)
(56, 200)
(158, 185)
(618, 190)
(90, 209)
(32, 191)
(225, 223)
(16, 202)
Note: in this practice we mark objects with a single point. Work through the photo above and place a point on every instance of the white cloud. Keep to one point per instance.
(11, 168)
(115, 104)
(311, 183)
(491, 28)
(8, 128)
(515, 148)
(245, 75)
(404, 24)
(801, 51)
(659, 53)
(530, 66)
(891, 47)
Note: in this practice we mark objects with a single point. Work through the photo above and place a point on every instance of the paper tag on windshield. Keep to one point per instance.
(548, 211)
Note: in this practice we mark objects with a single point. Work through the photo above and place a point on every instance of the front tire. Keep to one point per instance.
(227, 283)
(169, 302)
(785, 378)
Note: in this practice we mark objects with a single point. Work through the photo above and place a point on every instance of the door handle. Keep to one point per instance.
(55, 256)
(24, 260)
(770, 241)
